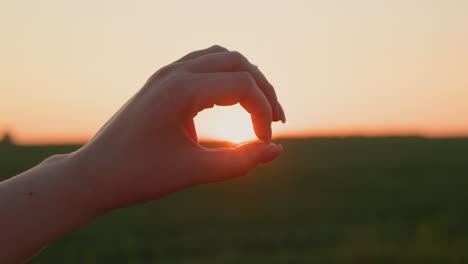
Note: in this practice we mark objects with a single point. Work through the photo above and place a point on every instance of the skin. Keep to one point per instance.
(147, 150)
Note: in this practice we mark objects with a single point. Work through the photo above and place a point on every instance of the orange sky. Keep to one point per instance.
(339, 67)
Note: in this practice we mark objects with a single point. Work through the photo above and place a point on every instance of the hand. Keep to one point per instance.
(149, 148)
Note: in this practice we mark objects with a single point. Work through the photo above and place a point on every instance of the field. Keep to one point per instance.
(325, 200)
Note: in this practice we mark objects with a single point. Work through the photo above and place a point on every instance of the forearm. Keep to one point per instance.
(40, 205)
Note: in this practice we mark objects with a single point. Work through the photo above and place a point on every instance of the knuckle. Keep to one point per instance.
(177, 87)
(264, 111)
(237, 56)
(246, 84)
(245, 76)
(247, 79)
(179, 81)
(236, 53)
(218, 48)
(166, 70)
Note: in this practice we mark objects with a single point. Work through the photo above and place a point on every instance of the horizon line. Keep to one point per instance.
(82, 141)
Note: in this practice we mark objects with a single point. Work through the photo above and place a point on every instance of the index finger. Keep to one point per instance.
(233, 61)
(226, 89)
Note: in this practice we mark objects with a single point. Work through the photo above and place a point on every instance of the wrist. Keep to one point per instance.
(92, 174)
(78, 190)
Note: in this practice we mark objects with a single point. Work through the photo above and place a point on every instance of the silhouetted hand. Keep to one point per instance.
(149, 148)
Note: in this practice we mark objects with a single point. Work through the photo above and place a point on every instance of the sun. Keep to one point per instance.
(230, 123)
(236, 131)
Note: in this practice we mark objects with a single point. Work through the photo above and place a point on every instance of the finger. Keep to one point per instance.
(190, 126)
(226, 164)
(234, 62)
(192, 55)
(282, 115)
(198, 53)
(225, 89)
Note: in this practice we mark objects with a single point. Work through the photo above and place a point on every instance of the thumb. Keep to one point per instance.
(235, 162)
(258, 152)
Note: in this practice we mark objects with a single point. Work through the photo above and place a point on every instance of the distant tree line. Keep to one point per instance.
(6, 139)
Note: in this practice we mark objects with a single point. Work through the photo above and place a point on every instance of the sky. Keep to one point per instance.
(339, 67)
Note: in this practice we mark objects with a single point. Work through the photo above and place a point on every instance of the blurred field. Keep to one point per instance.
(353, 200)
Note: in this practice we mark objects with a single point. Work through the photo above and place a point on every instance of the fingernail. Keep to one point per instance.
(283, 116)
(271, 152)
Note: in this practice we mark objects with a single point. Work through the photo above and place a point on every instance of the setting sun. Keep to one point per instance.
(225, 123)
(374, 68)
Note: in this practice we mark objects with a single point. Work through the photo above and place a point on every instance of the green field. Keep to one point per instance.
(351, 200)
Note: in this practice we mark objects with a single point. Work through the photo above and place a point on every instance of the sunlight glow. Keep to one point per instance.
(339, 68)
(225, 123)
